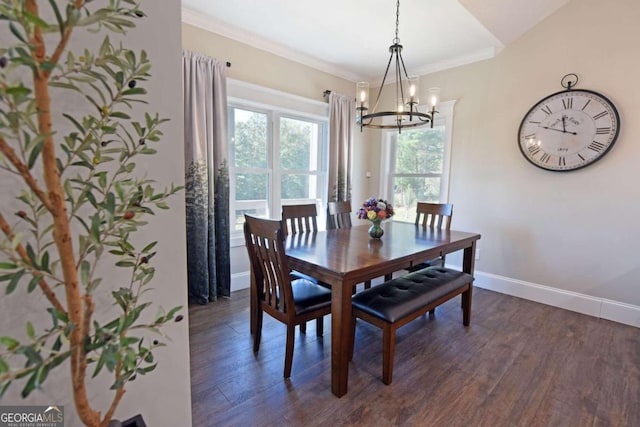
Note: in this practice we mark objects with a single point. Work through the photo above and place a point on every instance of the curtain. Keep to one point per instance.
(341, 121)
(207, 177)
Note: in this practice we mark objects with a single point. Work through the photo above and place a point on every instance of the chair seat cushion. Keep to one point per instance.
(308, 296)
(397, 298)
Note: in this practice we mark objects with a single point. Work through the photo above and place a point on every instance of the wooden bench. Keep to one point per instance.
(398, 301)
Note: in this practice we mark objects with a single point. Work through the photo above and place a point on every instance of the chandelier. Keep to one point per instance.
(407, 91)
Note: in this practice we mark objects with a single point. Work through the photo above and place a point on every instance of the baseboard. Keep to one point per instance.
(598, 307)
(240, 280)
(593, 306)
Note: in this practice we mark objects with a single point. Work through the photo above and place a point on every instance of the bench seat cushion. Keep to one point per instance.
(397, 298)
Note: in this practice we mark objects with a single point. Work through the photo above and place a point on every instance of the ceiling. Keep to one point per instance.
(351, 41)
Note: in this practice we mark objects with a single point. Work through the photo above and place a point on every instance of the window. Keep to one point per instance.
(418, 164)
(277, 157)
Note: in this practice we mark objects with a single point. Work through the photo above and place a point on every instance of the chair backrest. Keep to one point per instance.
(434, 215)
(338, 215)
(299, 218)
(264, 241)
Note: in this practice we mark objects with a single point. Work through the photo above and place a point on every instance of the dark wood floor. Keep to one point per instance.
(519, 364)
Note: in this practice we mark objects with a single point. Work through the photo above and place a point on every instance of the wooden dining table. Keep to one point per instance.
(345, 257)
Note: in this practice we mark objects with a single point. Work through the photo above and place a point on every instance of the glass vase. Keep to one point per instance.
(376, 231)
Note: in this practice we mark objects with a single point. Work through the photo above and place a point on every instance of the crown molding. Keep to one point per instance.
(208, 23)
(476, 56)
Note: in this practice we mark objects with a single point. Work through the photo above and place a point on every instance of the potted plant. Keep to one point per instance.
(82, 198)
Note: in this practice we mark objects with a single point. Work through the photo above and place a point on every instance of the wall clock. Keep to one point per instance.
(569, 130)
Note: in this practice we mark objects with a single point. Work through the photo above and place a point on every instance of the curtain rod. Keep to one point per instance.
(326, 93)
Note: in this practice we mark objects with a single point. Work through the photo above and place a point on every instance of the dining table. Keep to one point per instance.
(346, 257)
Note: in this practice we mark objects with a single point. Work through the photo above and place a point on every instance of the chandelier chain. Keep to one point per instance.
(397, 39)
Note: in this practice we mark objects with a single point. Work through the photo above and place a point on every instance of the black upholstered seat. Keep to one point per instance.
(309, 296)
(399, 297)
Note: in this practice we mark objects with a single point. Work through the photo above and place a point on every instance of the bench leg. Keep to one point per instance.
(320, 326)
(466, 306)
(388, 350)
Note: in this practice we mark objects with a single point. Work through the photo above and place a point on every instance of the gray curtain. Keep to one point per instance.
(207, 177)
(341, 122)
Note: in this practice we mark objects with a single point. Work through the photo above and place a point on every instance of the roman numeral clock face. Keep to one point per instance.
(569, 130)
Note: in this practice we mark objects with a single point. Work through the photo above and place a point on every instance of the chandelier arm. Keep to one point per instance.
(399, 94)
(399, 87)
(406, 75)
(375, 106)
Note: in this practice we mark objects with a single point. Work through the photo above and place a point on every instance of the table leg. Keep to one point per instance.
(340, 337)
(469, 259)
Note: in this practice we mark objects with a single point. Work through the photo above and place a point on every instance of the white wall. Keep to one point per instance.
(163, 396)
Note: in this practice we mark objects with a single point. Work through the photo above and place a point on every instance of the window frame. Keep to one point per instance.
(250, 97)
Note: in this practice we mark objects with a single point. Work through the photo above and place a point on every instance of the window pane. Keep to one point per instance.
(250, 139)
(251, 197)
(420, 151)
(298, 144)
(408, 191)
(251, 186)
(296, 186)
(255, 208)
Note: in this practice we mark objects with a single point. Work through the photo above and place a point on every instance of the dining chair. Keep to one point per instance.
(292, 302)
(300, 219)
(339, 216)
(434, 216)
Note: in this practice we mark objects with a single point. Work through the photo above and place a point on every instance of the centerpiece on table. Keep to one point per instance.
(375, 210)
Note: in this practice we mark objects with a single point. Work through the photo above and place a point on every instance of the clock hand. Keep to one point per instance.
(559, 130)
(564, 127)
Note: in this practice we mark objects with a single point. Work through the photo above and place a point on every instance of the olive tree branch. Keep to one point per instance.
(48, 292)
(23, 170)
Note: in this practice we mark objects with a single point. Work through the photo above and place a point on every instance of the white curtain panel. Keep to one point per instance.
(207, 177)
(341, 124)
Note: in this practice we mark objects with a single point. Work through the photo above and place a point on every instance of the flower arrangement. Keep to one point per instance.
(375, 209)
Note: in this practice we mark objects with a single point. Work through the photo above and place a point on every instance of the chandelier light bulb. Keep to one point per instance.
(434, 97)
(362, 91)
(414, 89)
